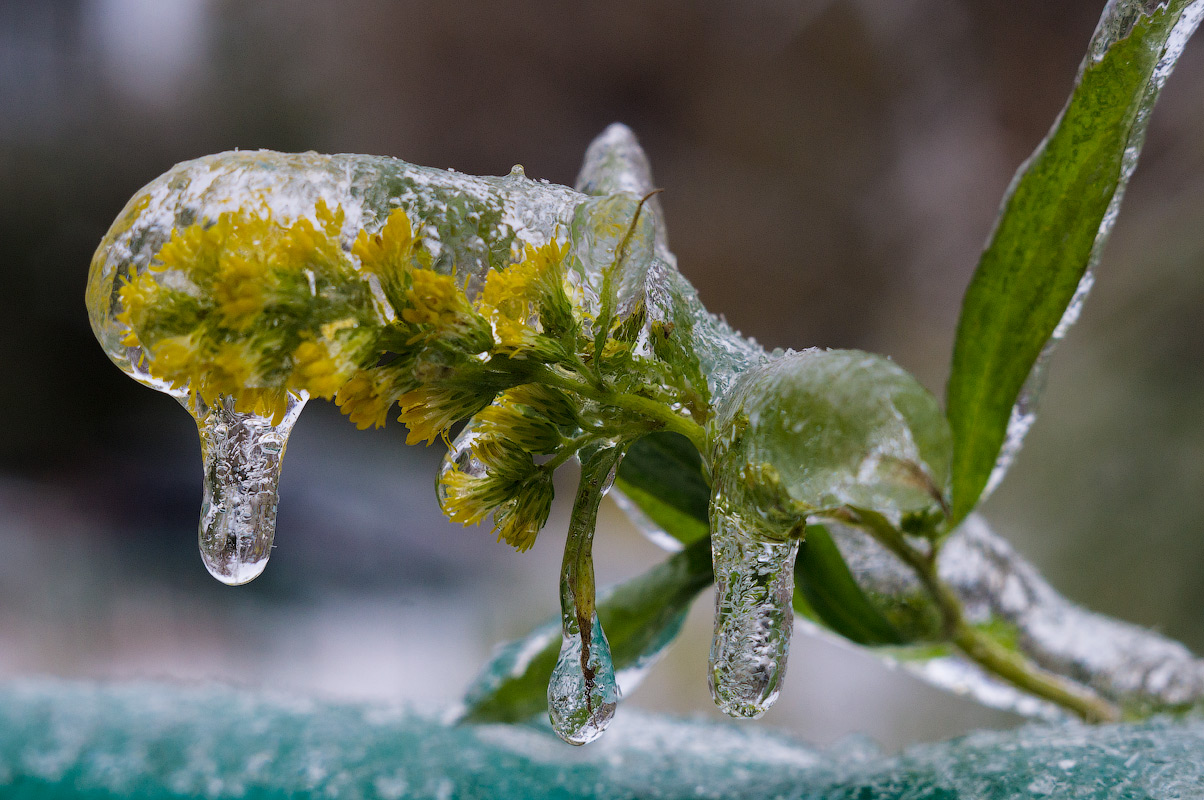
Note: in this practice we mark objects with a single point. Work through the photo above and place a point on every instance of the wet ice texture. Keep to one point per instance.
(582, 697)
(242, 455)
(754, 617)
(150, 741)
(1130, 665)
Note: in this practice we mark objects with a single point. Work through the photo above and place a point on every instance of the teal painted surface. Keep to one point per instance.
(75, 740)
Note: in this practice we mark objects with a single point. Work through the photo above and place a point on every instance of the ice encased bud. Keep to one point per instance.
(818, 430)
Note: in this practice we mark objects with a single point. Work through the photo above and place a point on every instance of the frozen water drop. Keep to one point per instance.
(461, 459)
(754, 587)
(242, 456)
(583, 692)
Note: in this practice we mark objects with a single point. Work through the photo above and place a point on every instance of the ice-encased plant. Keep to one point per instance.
(554, 324)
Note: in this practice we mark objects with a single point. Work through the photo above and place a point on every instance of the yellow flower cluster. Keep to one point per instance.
(231, 318)
(516, 491)
(520, 299)
(522, 422)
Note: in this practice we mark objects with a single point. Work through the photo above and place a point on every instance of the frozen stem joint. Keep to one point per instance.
(804, 436)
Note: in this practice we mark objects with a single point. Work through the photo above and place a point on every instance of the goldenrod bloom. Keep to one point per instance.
(364, 400)
(429, 411)
(519, 520)
(518, 299)
(239, 288)
(176, 360)
(519, 424)
(316, 371)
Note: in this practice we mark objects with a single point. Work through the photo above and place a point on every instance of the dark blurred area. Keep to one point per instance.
(831, 169)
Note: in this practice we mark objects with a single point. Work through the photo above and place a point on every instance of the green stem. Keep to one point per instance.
(977, 645)
(650, 409)
(577, 569)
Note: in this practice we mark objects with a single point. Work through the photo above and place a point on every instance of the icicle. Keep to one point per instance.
(583, 692)
(242, 458)
(754, 588)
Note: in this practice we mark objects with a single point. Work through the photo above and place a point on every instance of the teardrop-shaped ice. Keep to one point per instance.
(583, 692)
(459, 458)
(754, 587)
(242, 456)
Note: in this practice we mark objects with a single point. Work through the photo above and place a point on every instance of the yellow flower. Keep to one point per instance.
(518, 299)
(389, 252)
(461, 497)
(434, 300)
(389, 255)
(429, 411)
(176, 360)
(317, 372)
(516, 491)
(519, 424)
(137, 294)
(519, 520)
(303, 245)
(240, 287)
(231, 369)
(365, 400)
(196, 250)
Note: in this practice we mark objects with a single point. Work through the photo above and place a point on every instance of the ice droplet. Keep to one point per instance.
(459, 458)
(754, 587)
(583, 692)
(242, 456)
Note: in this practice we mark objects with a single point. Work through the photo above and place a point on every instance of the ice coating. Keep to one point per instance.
(459, 457)
(754, 617)
(470, 224)
(242, 454)
(1130, 664)
(1115, 23)
(819, 430)
(1135, 667)
(583, 692)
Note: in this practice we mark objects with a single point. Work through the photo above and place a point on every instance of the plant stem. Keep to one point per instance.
(646, 407)
(977, 645)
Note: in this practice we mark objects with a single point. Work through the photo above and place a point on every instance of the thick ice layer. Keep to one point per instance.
(242, 455)
(754, 617)
(90, 742)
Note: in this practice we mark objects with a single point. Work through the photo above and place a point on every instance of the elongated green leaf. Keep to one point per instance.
(662, 474)
(1051, 228)
(641, 617)
(827, 585)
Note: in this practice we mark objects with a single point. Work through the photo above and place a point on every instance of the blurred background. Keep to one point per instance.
(831, 169)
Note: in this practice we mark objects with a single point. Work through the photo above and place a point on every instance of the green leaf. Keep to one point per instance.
(828, 588)
(1051, 228)
(662, 475)
(641, 617)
